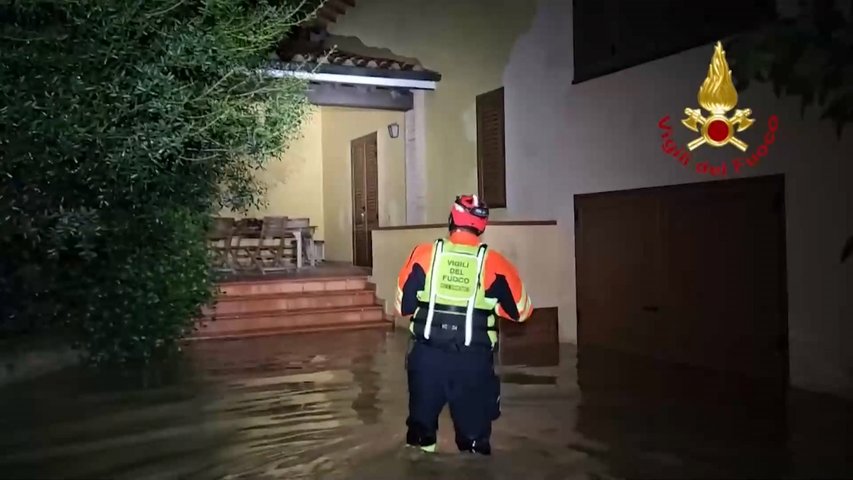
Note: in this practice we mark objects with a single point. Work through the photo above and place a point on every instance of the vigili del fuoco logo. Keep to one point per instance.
(718, 129)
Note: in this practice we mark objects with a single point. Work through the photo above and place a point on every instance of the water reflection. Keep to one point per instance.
(332, 406)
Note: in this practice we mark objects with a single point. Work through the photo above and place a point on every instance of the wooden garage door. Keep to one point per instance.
(692, 274)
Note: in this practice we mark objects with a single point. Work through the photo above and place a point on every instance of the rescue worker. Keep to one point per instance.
(454, 289)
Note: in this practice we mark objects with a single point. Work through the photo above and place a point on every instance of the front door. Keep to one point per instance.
(365, 198)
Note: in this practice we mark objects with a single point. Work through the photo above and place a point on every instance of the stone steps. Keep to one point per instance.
(275, 306)
(292, 285)
(246, 304)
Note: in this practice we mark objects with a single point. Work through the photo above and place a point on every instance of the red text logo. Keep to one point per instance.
(683, 155)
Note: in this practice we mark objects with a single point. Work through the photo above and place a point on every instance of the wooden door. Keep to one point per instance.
(618, 270)
(691, 274)
(726, 277)
(365, 198)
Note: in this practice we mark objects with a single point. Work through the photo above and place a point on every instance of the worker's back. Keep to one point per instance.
(456, 275)
(453, 289)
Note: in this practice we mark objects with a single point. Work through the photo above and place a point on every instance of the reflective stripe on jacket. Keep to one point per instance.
(463, 289)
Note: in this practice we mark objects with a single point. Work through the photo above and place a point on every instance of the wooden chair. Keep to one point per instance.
(244, 252)
(300, 227)
(319, 251)
(219, 242)
(278, 248)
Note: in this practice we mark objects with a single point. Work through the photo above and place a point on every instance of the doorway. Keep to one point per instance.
(690, 274)
(365, 198)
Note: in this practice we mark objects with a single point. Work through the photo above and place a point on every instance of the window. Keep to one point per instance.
(612, 35)
(491, 159)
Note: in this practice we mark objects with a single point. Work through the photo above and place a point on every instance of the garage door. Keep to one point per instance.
(691, 274)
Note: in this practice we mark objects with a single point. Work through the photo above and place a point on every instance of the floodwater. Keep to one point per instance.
(332, 406)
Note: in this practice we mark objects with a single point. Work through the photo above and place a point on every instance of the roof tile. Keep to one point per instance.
(338, 57)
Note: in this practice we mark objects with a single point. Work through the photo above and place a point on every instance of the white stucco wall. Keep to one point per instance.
(602, 135)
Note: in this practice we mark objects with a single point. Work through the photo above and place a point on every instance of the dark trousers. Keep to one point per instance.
(464, 379)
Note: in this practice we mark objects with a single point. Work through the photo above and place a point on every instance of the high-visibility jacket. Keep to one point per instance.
(453, 288)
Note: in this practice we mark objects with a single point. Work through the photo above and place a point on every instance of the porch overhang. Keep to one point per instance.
(344, 75)
(360, 96)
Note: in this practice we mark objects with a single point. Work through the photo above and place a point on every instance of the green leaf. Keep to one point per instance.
(803, 59)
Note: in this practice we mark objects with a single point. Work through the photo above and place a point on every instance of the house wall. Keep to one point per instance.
(339, 127)
(602, 135)
(293, 180)
(469, 43)
(312, 178)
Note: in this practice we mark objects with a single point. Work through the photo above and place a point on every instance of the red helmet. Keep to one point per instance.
(468, 211)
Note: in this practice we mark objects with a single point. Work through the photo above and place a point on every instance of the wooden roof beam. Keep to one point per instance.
(327, 15)
(337, 8)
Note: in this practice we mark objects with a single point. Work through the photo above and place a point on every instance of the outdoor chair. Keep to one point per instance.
(244, 251)
(219, 242)
(278, 248)
(300, 227)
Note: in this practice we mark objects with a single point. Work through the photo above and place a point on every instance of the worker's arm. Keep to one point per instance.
(504, 284)
(412, 279)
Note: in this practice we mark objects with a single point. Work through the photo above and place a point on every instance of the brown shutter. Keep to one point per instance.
(491, 162)
(371, 182)
(359, 226)
(365, 197)
(371, 169)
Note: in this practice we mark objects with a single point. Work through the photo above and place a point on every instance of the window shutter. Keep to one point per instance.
(359, 225)
(491, 159)
(365, 197)
(371, 169)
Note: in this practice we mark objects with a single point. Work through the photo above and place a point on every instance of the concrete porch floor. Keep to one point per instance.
(333, 406)
(321, 270)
